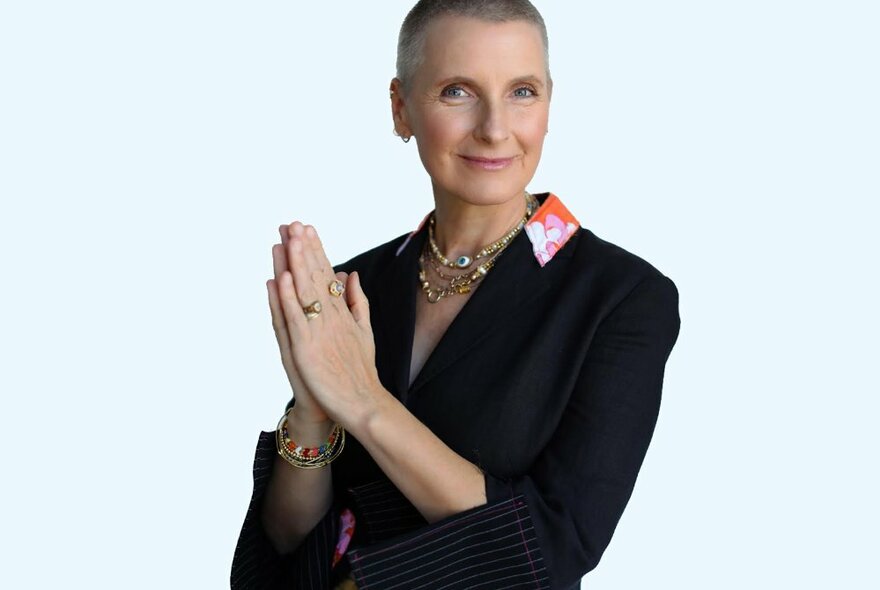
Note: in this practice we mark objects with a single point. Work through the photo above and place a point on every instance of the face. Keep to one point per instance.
(478, 107)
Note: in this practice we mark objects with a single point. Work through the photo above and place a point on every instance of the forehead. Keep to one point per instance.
(457, 45)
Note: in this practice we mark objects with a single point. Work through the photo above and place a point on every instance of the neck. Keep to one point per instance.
(462, 228)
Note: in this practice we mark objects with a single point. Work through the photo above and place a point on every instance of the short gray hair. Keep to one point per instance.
(411, 42)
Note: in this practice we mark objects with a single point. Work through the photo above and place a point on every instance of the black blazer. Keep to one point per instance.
(549, 379)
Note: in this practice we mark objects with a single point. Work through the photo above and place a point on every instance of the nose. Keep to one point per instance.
(493, 126)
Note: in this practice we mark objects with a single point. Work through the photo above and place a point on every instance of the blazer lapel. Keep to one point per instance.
(506, 291)
(516, 280)
(395, 317)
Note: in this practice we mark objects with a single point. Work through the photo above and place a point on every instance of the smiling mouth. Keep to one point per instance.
(488, 163)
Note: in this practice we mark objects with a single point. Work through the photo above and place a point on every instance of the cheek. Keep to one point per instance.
(532, 130)
(442, 132)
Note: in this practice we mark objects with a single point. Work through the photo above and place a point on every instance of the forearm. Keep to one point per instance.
(296, 499)
(435, 479)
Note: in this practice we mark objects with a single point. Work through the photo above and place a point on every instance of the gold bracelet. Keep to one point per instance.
(309, 458)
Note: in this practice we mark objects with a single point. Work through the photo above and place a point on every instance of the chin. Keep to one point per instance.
(489, 191)
(487, 195)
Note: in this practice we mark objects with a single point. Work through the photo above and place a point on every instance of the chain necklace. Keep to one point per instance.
(462, 283)
(463, 262)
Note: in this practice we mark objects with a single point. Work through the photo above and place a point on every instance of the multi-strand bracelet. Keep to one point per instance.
(309, 457)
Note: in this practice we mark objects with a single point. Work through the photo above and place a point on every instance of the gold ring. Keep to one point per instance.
(312, 309)
(337, 288)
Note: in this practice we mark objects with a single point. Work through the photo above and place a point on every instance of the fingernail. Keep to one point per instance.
(310, 231)
(296, 228)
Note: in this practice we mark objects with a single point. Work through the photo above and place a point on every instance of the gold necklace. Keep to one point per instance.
(460, 284)
(465, 261)
(463, 283)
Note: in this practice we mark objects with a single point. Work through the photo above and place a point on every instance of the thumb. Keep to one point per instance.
(357, 300)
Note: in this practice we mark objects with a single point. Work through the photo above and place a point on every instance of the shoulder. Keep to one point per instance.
(593, 262)
(612, 274)
(609, 259)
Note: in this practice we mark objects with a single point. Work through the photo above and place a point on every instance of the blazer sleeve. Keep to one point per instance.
(550, 526)
(578, 488)
(256, 564)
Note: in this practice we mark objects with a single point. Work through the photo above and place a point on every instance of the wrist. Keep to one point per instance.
(374, 417)
(308, 432)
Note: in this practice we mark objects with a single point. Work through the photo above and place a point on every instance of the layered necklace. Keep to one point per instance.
(463, 282)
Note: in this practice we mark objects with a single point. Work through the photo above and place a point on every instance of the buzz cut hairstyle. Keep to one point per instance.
(411, 41)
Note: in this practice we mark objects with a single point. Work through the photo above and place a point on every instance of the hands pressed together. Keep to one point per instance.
(329, 358)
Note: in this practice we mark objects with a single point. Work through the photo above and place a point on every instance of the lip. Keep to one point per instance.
(488, 163)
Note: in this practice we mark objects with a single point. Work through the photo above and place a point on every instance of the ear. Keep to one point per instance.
(398, 109)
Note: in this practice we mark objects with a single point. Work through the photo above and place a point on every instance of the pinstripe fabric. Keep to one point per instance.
(383, 511)
(549, 379)
(491, 546)
(256, 564)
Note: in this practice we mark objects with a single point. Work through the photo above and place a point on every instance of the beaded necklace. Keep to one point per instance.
(462, 283)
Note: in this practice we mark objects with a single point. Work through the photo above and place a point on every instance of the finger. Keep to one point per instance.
(282, 335)
(342, 276)
(292, 307)
(284, 231)
(279, 322)
(303, 286)
(317, 248)
(279, 260)
(320, 271)
(357, 301)
(294, 229)
(319, 268)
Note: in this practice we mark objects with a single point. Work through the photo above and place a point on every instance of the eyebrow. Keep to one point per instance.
(532, 79)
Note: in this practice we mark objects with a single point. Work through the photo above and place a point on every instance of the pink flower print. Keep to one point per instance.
(538, 237)
(550, 228)
(346, 532)
(554, 228)
(548, 237)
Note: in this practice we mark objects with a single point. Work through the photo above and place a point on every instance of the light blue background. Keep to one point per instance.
(149, 150)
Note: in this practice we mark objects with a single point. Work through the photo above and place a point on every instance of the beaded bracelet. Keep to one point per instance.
(309, 457)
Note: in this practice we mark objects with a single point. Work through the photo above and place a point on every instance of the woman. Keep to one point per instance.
(473, 400)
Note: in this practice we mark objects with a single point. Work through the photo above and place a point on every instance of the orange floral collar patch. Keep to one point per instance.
(548, 229)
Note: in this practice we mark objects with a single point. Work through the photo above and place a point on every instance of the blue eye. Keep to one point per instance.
(446, 92)
(527, 89)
